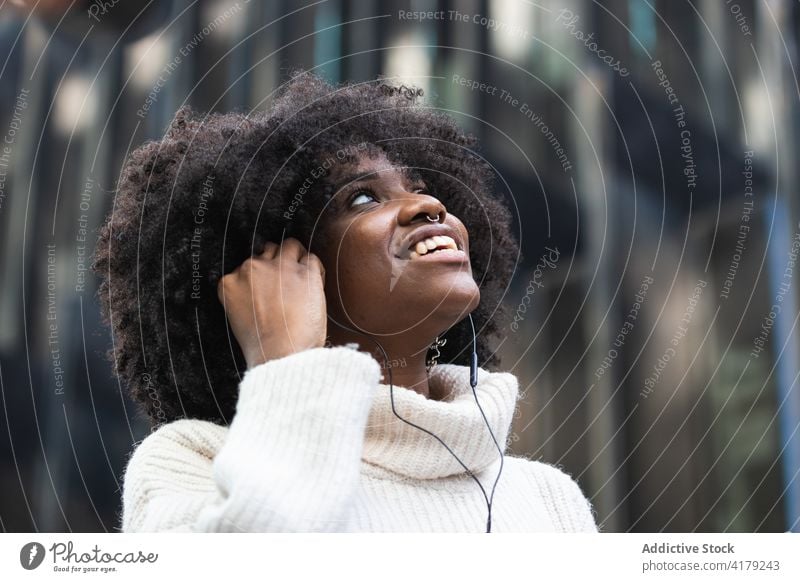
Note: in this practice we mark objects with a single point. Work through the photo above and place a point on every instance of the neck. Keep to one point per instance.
(404, 359)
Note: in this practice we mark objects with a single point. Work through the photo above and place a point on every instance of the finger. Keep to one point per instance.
(221, 291)
(270, 250)
(292, 250)
(314, 261)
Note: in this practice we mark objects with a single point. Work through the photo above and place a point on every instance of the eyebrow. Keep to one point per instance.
(350, 178)
(375, 175)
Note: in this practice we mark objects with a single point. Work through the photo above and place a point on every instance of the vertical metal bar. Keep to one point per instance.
(328, 40)
(787, 366)
(595, 182)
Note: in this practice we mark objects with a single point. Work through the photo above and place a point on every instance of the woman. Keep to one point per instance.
(274, 283)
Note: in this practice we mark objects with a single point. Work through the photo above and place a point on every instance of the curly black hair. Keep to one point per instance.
(193, 205)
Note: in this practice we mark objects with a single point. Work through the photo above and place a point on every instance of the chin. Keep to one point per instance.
(453, 305)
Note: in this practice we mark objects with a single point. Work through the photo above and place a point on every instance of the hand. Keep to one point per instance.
(275, 302)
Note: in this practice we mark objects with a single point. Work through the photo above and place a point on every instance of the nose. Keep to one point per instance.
(418, 207)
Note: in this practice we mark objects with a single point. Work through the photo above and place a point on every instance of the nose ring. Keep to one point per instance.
(432, 219)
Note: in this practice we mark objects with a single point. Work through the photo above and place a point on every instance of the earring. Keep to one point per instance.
(434, 359)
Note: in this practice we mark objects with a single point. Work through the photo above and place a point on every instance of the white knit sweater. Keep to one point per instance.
(314, 446)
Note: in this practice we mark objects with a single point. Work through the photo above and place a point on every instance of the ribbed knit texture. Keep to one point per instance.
(315, 447)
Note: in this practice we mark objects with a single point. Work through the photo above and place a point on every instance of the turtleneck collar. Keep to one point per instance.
(455, 418)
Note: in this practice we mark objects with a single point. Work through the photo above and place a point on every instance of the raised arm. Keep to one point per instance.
(290, 460)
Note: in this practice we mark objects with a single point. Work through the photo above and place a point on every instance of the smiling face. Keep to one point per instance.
(389, 269)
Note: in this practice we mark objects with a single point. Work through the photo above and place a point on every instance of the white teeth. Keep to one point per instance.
(429, 244)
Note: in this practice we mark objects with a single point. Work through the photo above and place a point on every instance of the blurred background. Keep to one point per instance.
(647, 148)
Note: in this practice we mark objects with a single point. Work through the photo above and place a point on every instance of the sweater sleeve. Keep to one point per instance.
(290, 461)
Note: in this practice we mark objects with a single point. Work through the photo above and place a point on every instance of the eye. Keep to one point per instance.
(361, 194)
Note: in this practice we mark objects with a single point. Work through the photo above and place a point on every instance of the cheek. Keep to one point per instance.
(361, 270)
(357, 296)
(357, 269)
